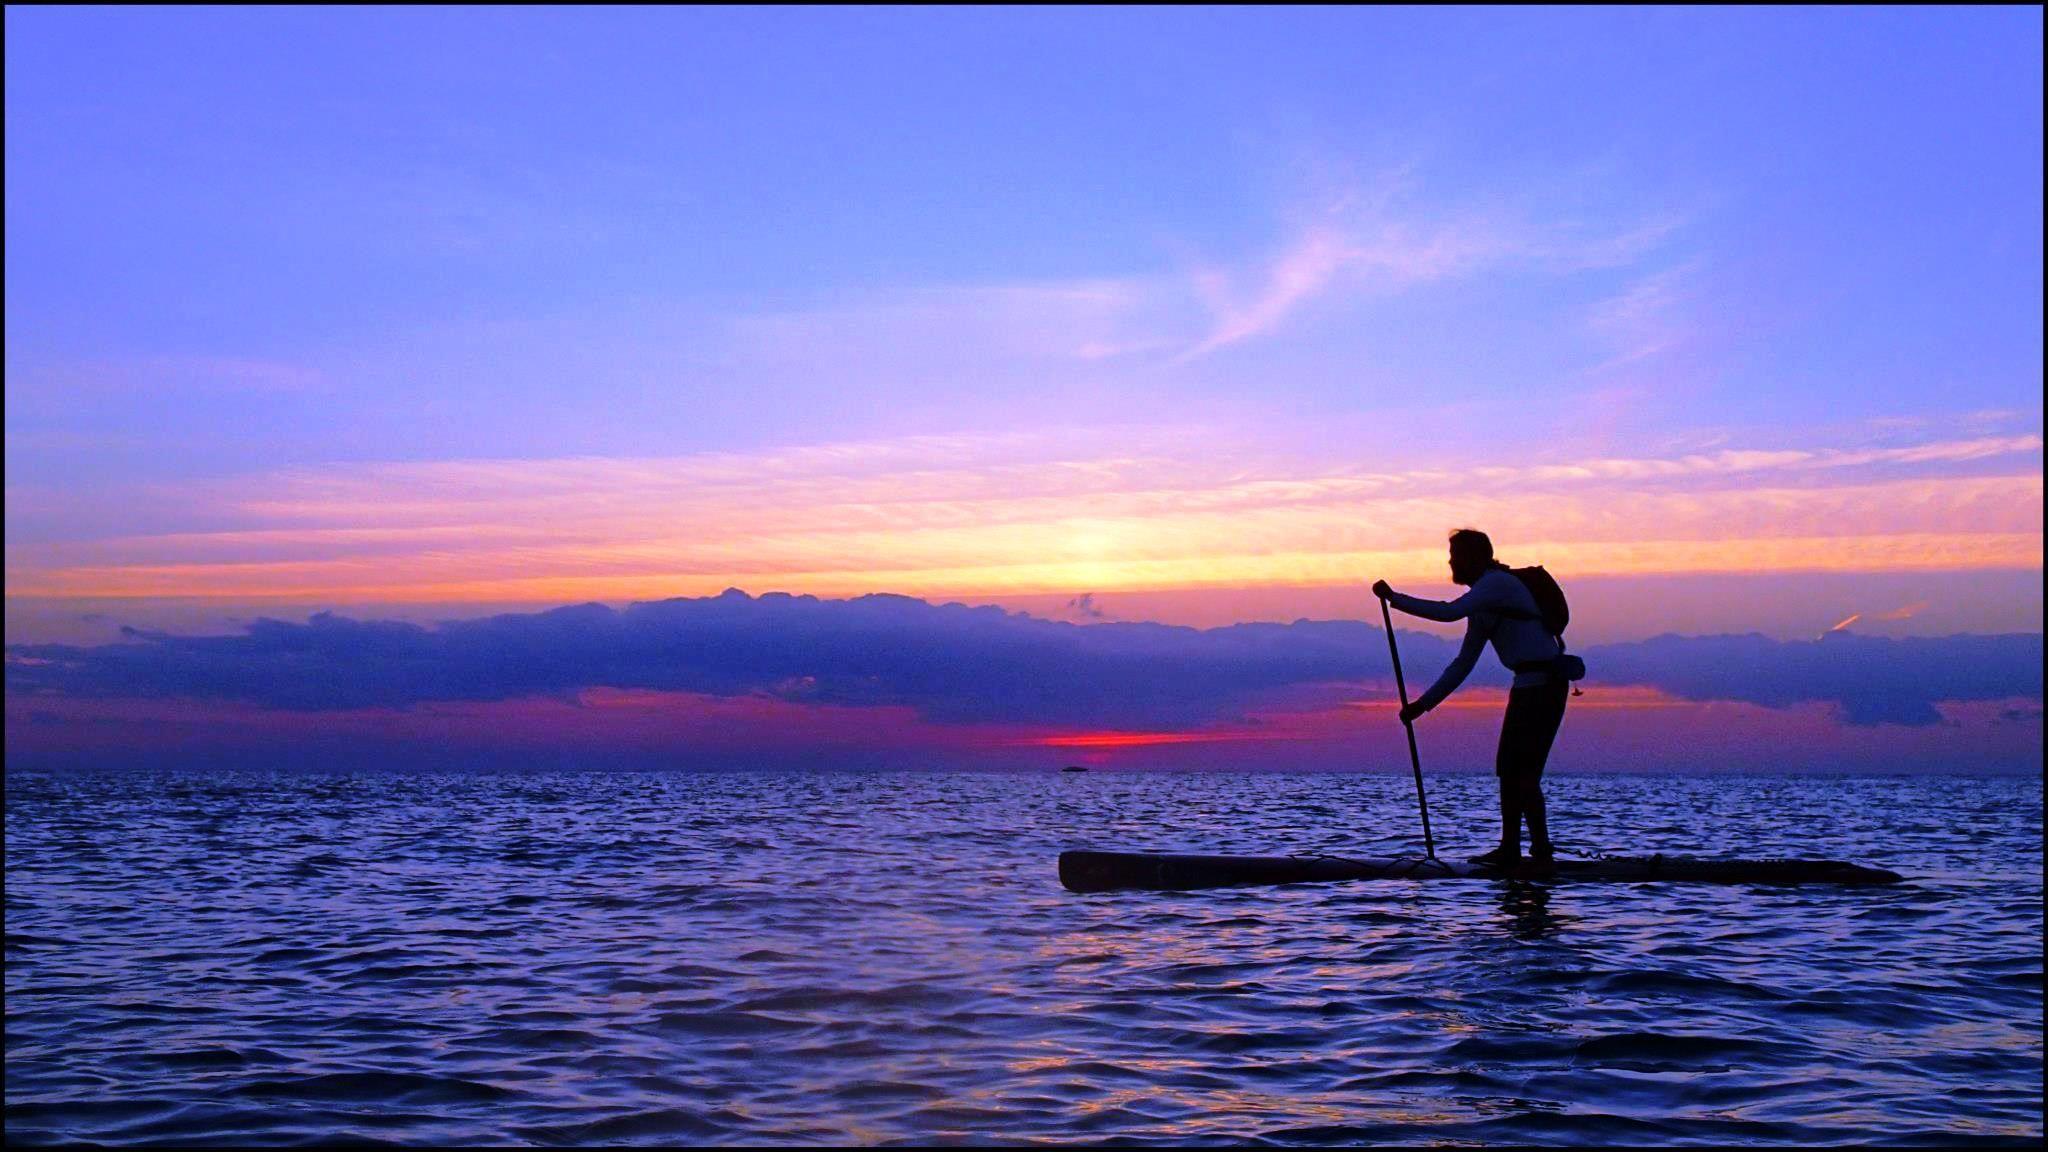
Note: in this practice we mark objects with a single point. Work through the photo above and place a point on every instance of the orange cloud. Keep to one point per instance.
(1101, 511)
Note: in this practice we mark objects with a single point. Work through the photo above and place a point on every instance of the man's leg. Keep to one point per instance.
(1507, 764)
(1542, 734)
(1532, 810)
(1511, 810)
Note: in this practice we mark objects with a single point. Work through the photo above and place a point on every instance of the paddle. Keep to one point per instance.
(1414, 757)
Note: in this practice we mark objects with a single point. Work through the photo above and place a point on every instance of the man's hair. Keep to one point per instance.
(1472, 542)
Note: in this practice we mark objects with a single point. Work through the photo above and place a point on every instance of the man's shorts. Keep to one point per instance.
(1527, 731)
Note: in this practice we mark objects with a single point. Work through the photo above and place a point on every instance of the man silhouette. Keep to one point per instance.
(1501, 609)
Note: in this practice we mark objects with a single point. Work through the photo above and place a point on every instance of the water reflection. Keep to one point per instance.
(1525, 910)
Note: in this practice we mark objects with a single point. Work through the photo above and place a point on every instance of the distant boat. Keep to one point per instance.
(1073, 768)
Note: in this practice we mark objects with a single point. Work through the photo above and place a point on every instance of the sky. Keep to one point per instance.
(318, 318)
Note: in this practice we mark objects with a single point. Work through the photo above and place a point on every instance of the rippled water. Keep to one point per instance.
(740, 958)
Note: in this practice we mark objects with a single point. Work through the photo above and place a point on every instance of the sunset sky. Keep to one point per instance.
(1204, 317)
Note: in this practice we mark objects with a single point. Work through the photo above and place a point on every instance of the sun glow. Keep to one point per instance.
(1104, 740)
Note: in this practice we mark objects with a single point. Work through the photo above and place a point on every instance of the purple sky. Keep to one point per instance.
(1732, 318)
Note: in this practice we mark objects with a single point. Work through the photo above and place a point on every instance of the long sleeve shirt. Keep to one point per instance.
(1498, 608)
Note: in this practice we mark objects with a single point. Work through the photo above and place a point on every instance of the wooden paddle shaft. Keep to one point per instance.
(1414, 756)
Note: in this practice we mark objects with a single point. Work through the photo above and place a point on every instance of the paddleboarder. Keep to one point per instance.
(1502, 609)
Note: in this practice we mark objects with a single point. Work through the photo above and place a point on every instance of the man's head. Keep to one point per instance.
(1471, 556)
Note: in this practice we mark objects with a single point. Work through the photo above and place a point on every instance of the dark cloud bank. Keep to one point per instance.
(956, 664)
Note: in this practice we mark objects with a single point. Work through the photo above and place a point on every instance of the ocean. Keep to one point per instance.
(887, 957)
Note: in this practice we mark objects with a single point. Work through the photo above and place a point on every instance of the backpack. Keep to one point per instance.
(1550, 602)
(1555, 614)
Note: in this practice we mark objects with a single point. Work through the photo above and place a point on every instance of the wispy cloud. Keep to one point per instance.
(947, 328)
(1366, 239)
(1380, 244)
(1300, 272)
(193, 374)
(1903, 612)
(1642, 321)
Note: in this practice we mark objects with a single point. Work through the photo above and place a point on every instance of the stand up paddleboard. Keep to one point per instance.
(1109, 871)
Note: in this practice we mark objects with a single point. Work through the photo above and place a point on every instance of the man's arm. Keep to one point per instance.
(1443, 611)
(1454, 674)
